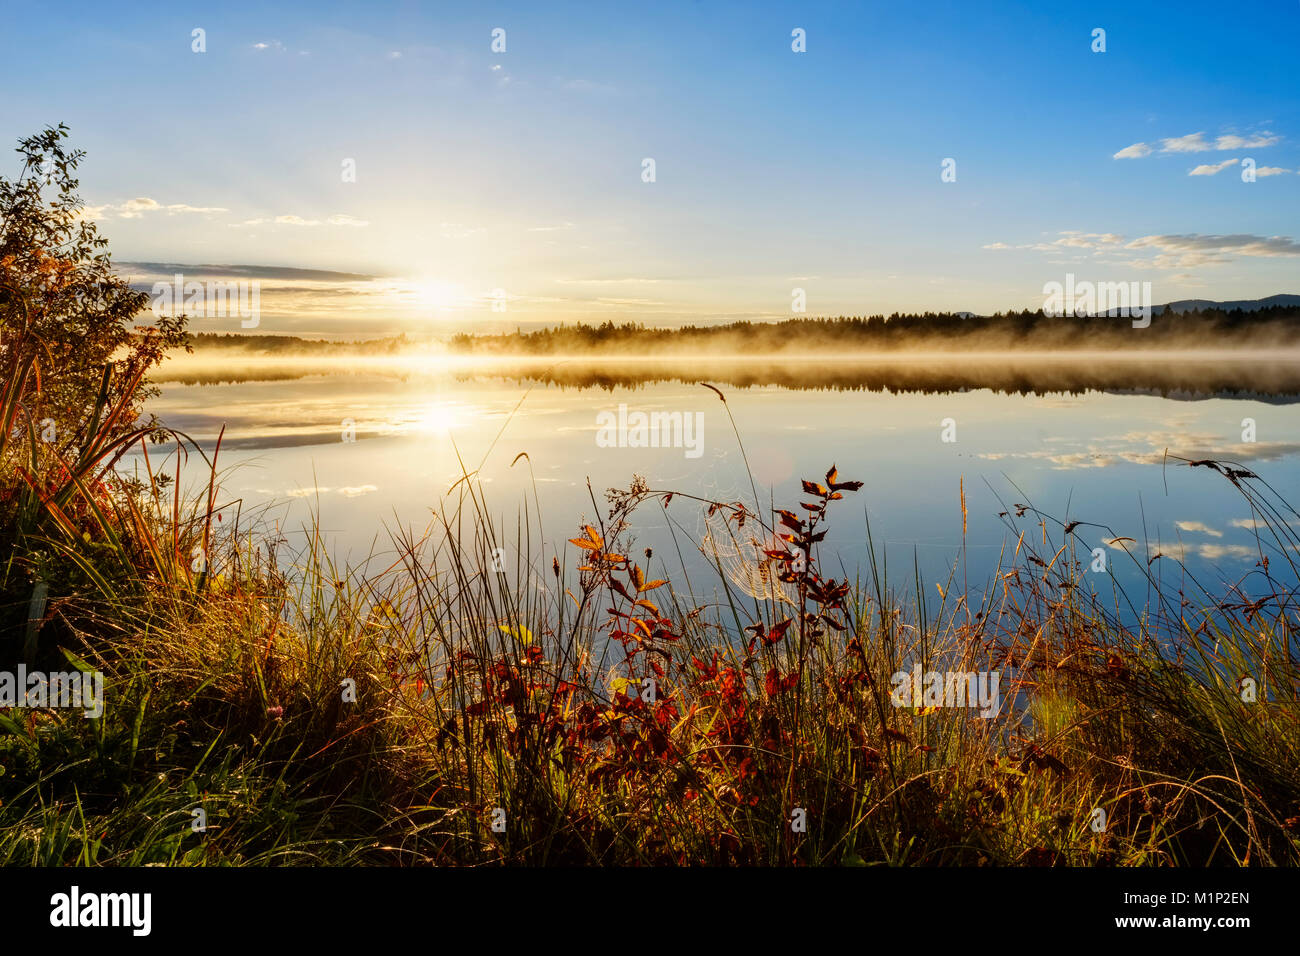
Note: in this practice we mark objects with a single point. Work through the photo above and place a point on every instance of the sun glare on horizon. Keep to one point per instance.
(430, 296)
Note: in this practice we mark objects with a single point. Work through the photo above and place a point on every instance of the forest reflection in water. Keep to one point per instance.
(1263, 376)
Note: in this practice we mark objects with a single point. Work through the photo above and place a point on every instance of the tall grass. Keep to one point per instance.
(584, 704)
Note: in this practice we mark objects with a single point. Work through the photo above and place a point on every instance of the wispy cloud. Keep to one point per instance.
(1136, 151)
(1164, 251)
(1246, 142)
(1212, 169)
(1189, 251)
(292, 220)
(136, 209)
(356, 491)
(1197, 143)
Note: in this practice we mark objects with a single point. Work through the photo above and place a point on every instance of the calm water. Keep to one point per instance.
(1045, 434)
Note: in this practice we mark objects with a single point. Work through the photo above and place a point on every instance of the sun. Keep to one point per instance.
(435, 294)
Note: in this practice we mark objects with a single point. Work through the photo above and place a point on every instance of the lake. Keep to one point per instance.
(375, 443)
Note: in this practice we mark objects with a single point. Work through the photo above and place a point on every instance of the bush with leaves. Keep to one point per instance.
(62, 307)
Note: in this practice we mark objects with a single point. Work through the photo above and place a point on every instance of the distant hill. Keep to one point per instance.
(1282, 300)
(1246, 305)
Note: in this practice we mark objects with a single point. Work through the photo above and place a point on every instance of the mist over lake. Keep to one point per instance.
(1100, 439)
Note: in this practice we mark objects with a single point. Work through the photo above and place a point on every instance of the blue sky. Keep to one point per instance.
(521, 171)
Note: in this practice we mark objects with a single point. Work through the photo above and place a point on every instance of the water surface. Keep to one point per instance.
(370, 443)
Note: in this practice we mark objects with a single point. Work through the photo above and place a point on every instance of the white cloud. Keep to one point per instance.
(1246, 142)
(1136, 151)
(292, 220)
(1252, 524)
(136, 208)
(1213, 552)
(356, 491)
(182, 207)
(1212, 169)
(1198, 527)
(1197, 143)
(307, 492)
(1099, 242)
(1270, 171)
(1191, 143)
(1190, 251)
(1088, 240)
(348, 491)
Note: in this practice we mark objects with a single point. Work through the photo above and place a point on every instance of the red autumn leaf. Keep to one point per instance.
(772, 682)
(777, 632)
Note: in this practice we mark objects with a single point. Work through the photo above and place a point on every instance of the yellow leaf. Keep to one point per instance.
(522, 633)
